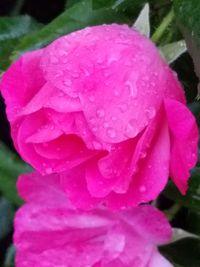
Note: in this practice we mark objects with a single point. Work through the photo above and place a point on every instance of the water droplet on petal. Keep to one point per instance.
(100, 113)
(91, 98)
(131, 129)
(116, 93)
(150, 112)
(111, 133)
(105, 125)
(131, 88)
(48, 170)
(123, 107)
(143, 155)
(94, 129)
(67, 82)
(113, 118)
(97, 145)
(142, 189)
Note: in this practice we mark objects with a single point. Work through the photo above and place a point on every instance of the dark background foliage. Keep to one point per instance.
(30, 24)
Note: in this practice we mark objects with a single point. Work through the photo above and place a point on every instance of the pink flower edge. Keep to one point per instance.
(49, 231)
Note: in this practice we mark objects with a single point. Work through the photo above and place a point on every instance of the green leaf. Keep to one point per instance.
(172, 51)
(11, 30)
(6, 217)
(78, 16)
(192, 198)
(188, 16)
(70, 3)
(102, 3)
(142, 23)
(15, 27)
(10, 168)
(193, 222)
(128, 6)
(184, 253)
(10, 257)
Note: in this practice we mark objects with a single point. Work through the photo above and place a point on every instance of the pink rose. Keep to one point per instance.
(103, 109)
(50, 232)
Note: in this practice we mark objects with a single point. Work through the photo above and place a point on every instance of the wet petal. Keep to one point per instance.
(184, 140)
(18, 85)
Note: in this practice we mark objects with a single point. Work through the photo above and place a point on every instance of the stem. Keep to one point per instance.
(170, 213)
(17, 8)
(163, 26)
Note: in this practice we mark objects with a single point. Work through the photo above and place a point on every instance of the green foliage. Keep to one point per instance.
(12, 29)
(183, 253)
(188, 17)
(10, 257)
(6, 218)
(10, 168)
(76, 17)
(192, 198)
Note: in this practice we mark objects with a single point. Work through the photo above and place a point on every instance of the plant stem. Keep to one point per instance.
(170, 213)
(163, 26)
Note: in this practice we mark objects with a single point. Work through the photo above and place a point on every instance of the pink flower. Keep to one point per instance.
(51, 233)
(102, 100)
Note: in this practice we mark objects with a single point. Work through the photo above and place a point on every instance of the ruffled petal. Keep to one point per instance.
(47, 148)
(18, 85)
(158, 260)
(107, 78)
(184, 142)
(151, 164)
(57, 234)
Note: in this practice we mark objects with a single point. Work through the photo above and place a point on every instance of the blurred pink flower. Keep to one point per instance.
(49, 232)
(102, 100)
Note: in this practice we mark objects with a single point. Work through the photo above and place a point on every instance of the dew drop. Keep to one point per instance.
(94, 129)
(100, 113)
(48, 170)
(116, 93)
(113, 118)
(91, 98)
(131, 129)
(143, 155)
(111, 133)
(105, 125)
(97, 145)
(131, 88)
(67, 82)
(92, 120)
(123, 107)
(150, 112)
(142, 189)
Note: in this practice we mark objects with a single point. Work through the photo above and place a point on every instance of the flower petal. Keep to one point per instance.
(18, 85)
(184, 140)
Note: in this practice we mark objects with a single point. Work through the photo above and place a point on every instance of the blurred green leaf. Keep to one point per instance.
(193, 222)
(11, 30)
(15, 27)
(10, 168)
(102, 3)
(70, 3)
(10, 257)
(6, 217)
(192, 198)
(173, 51)
(188, 16)
(142, 23)
(184, 253)
(78, 16)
